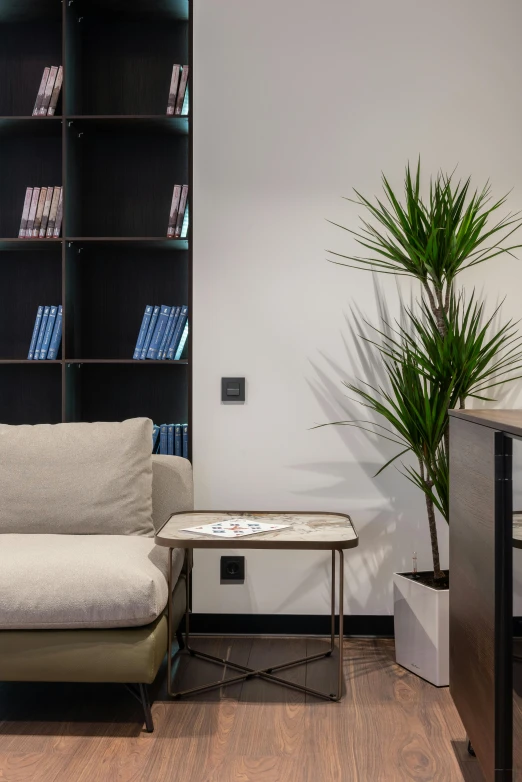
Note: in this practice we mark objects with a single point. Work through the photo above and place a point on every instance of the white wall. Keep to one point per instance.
(295, 103)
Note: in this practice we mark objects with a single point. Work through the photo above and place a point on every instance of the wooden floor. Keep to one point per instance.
(390, 725)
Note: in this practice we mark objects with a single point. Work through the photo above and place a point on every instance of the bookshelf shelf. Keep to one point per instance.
(117, 155)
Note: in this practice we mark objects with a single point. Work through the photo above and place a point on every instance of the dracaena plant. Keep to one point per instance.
(443, 350)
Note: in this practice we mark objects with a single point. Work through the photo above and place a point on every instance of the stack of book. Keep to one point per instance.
(163, 332)
(178, 211)
(49, 92)
(47, 333)
(178, 93)
(42, 213)
(170, 440)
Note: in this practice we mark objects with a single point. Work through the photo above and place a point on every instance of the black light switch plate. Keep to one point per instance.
(232, 389)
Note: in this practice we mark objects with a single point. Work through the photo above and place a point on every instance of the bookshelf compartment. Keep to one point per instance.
(120, 56)
(120, 180)
(26, 48)
(31, 393)
(106, 293)
(114, 392)
(28, 279)
(29, 157)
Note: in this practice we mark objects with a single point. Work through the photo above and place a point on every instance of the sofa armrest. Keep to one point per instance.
(172, 488)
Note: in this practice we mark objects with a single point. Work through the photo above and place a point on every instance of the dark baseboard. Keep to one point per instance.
(288, 624)
(517, 627)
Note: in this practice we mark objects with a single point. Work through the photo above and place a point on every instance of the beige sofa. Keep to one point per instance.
(83, 588)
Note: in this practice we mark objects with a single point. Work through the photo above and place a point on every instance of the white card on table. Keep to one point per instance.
(235, 528)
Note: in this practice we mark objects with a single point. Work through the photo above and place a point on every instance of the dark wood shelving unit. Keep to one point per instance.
(117, 155)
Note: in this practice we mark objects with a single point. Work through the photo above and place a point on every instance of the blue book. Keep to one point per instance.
(170, 330)
(143, 331)
(155, 435)
(36, 329)
(170, 439)
(46, 342)
(179, 351)
(178, 331)
(159, 331)
(150, 332)
(185, 441)
(56, 338)
(177, 440)
(164, 441)
(41, 333)
(164, 344)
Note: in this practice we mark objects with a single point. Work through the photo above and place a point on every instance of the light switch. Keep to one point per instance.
(232, 389)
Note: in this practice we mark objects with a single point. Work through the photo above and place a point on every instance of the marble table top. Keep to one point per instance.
(313, 531)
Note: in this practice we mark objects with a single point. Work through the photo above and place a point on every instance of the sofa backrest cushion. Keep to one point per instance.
(77, 479)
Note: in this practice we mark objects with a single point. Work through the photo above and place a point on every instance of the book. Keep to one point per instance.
(59, 214)
(179, 350)
(170, 439)
(56, 92)
(164, 442)
(41, 333)
(22, 233)
(164, 344)
(235, 528)
(173, 89)
(52, 212)
(36, 329)
(46, 210)
(185, 226)
(170, 330)
(185, 441)
(56, 337)
(150, 332)
(182, 89)
(185, 109)
(177, 440)
(181, 211)
(48, 333)
(41, 91)
(42, 111)
(143, 331)
(39, 212)
(173, 211)
(178, 331)
(155, 435)
(161, 325)
(32, 212)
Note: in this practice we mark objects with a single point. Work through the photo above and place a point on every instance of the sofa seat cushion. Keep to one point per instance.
(78, 581)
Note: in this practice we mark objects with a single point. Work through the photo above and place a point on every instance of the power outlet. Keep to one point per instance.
(232, 570)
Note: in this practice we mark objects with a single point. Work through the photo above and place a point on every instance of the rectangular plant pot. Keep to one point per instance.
(422, 629)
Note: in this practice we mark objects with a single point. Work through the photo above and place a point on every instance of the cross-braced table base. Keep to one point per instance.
(246, 672)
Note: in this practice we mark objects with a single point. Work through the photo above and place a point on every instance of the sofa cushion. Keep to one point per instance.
(74, 581)
(77, 479)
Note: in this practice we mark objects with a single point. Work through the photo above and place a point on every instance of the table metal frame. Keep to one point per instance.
(267, 673)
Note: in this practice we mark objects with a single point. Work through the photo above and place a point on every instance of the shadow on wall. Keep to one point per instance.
(393, 520)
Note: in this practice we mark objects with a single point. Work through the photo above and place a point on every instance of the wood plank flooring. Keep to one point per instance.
(390, 726)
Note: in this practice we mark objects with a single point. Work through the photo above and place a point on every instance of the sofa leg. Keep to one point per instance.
(144, 697)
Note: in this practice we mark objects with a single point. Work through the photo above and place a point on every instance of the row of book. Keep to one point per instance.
(49, 91)
(178, 95)
(178, 208)
(42, 213)
(170, 439)
(47, 333)
(163, 333)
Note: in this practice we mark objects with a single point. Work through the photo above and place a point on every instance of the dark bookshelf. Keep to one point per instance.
(117, 155)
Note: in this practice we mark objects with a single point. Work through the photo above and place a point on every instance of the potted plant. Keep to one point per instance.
(442, 351)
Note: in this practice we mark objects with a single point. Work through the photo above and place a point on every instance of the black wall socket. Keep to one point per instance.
(232, 570)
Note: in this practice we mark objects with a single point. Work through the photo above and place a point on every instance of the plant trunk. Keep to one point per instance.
(437, 572)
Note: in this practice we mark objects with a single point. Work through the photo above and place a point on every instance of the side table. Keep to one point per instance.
(306, 532)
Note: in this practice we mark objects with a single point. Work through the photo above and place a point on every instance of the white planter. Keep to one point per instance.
(422, 629)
